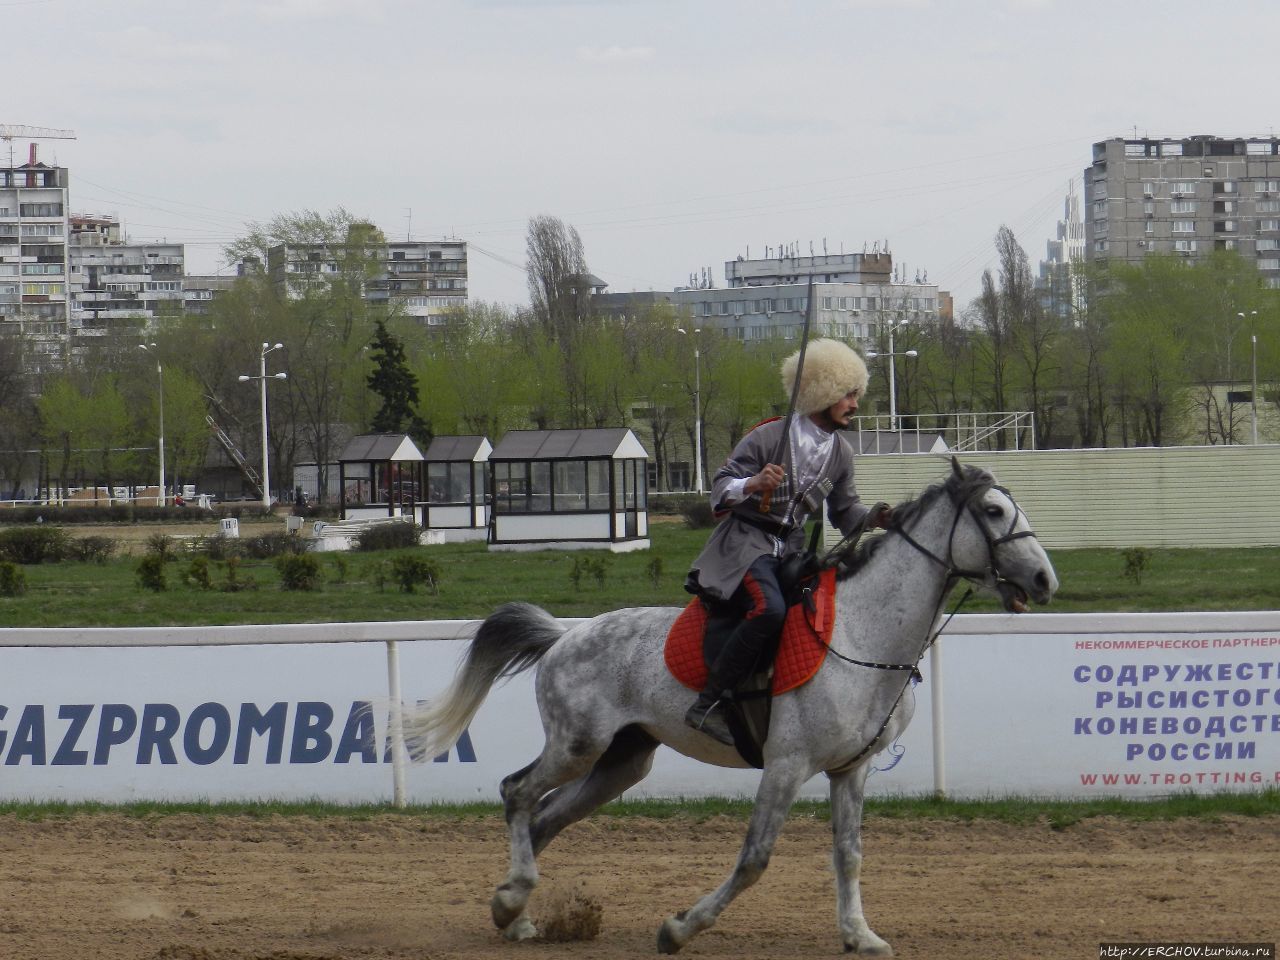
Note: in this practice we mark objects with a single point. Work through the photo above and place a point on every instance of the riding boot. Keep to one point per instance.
(735, 663)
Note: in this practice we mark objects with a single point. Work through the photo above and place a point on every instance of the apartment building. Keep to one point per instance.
(35, 301)
(858, 295)
(426, 278)
(117, 286)
(1186, 197)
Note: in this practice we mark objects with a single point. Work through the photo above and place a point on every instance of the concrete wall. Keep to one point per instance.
(1223, 496)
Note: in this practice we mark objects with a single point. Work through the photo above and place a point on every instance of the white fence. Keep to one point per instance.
(1042, 704)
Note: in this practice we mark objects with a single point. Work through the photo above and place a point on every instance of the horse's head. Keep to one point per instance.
(992, 541)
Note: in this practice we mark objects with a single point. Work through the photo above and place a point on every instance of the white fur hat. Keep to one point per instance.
(831, 369)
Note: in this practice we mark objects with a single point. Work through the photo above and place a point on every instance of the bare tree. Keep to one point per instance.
(560, 293)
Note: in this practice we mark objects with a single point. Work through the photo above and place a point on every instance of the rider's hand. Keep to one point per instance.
(766, 481)
(882, 518)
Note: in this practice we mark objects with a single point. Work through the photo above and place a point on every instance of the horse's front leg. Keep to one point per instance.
(846, 828)
(779, 786)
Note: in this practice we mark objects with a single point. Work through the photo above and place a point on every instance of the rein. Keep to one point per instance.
(988, 577)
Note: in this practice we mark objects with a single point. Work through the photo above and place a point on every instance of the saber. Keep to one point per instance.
(766, 501)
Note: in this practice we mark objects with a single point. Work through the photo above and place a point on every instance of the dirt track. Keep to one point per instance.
(189, 888)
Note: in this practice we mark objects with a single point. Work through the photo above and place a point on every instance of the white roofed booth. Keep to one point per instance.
(457, 503)
(569, 490)
(380, 475)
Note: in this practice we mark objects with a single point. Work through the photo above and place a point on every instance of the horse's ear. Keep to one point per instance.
(956, 468)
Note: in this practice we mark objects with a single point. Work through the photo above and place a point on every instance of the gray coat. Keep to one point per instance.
(739, 538)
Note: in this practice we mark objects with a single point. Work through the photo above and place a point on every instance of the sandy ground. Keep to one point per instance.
(192, 888)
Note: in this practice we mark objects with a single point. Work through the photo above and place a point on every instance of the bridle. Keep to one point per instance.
(989, 577)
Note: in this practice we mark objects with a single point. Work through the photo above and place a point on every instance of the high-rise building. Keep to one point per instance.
(117, 286)
(1185, 197)
(1059, 283)
(426, 278)
(35, 301)
(858, 295)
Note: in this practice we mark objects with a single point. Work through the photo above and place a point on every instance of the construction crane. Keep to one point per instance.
(16, 131)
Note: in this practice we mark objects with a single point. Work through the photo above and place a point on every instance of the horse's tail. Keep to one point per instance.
(511, 640)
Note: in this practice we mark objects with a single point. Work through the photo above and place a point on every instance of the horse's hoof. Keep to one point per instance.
(521, 929)
(670, 939)
(871, 946)
(507, 905)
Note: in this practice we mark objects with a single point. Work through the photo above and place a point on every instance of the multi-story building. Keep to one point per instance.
(857, 296)
(117, 286)
(35, 300)
(425, 277)
(1059, 283)
(1185, 197)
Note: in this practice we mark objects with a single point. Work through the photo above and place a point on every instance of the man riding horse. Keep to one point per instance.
(764, 505)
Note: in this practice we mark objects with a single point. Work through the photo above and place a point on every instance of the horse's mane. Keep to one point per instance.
(960, 487)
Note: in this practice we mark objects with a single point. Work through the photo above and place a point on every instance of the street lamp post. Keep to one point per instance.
(1253, 390)
(262, 379)
(893, 386)
(150, 348)
(697, 410)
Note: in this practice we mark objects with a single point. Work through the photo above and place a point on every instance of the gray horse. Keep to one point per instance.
(607, 699)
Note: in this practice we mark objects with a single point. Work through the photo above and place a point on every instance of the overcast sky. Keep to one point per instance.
(674, 134)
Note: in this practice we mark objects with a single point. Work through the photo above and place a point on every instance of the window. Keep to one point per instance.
(1099, 208)
(1151, 227)
(1225, 226)
(1255, 149)
(1184, 226)
(1266, 226)
(1224, 206)
(827, 303)
(1135, 149)
(39, 209)
(1269, 263)
(570, 485)
(1182, 206)
(722, 308)
(1267, 186)
(1149, 208)
(1148, 189)
(1268, 206)
(1170, 149)
(597, 484)
(1099, 246)
(1183, 188)
(1265, 244)
(1224, 186)
(1184, 246)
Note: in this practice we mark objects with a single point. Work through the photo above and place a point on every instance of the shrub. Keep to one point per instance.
(654, 569)
(13, 579)
(95, 549)
(410, 570)
(388, 536)
(161, 546)
(233, 583)
(341, 567)
(298, 571)
(270, 545)
(39, 544)
(197, 574)
(696, 512)
(217, 547)
(597, 568)
(150, 573)
(1136, 561)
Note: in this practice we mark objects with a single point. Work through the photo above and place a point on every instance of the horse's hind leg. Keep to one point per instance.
(623, 765)
(520, 794)
(779, 786)
(846, 829)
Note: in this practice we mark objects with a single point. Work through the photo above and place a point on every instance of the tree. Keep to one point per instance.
(560, 294)
(393, 381)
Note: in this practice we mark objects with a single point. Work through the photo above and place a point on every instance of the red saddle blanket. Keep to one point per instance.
(805, 638)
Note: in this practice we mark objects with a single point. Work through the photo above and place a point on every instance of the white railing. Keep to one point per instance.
(997, 430)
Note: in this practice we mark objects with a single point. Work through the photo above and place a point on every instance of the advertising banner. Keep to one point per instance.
(1070, 714)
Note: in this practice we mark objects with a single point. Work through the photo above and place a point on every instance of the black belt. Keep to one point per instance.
(767, 524)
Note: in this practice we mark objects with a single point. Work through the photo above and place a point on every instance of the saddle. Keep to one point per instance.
(697, 634)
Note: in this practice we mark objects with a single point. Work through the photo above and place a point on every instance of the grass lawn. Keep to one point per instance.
(358, 586)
